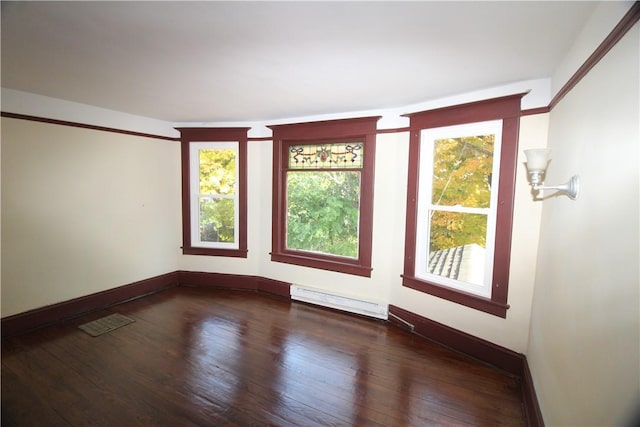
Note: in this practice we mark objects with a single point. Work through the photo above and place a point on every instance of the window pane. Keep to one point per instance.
(217, 171)
(326, 156)
(217, 219)
(462, 171)
(457, 245)
(323, 212)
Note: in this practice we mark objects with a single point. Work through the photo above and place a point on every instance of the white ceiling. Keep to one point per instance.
(243, 61)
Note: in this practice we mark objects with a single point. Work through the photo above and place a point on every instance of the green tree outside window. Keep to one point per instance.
(217, 194)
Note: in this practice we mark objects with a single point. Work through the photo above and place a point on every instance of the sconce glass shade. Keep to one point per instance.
(537, 158)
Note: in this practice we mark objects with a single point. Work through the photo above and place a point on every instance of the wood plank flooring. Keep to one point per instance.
(204, 357)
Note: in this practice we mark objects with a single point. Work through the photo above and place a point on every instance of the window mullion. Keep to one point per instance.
(461, 209)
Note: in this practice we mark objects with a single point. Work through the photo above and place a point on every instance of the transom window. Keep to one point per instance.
(326, 156)
(323, 194)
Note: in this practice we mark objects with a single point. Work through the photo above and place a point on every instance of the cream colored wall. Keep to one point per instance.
(83, 211)
(584, 348)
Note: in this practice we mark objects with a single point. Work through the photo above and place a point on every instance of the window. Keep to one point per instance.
(462, 163)
(456, 207)
(323, 194)
(214, 199)
(214, 214)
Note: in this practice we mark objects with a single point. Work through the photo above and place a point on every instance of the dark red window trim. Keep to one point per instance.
(508, 109)
(362, 129)
(188, 135)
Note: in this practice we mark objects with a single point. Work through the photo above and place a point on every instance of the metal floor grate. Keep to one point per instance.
(106, 324)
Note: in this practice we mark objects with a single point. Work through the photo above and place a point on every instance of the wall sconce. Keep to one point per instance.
(537, 160)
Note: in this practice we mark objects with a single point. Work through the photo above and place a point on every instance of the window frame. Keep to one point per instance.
(361, 130)
(188, 137)
(508, 110)
(425, 204)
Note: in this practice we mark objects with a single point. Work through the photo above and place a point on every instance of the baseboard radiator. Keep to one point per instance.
(338, 302)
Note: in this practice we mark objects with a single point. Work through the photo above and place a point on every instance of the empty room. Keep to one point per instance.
(320, 213)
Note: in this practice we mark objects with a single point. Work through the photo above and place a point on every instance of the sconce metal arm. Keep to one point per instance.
(571, 188)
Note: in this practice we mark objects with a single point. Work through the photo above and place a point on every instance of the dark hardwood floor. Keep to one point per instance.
(231, 358)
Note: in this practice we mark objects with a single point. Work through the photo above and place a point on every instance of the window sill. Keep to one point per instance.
(237, 253)
(324, 263)
(469, 300)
